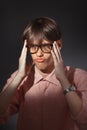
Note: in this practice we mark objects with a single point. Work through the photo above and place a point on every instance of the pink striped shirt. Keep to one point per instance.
(42, 105)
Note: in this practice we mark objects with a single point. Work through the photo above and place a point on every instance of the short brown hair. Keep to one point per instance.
(42, 28)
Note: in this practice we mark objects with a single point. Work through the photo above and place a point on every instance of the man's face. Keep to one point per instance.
(42, 57)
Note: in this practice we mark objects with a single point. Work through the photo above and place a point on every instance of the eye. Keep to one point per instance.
(33, 47)
(48, 46)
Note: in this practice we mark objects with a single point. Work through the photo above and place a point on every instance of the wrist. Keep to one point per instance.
(65, 82)
(69, 89)
(20, 75)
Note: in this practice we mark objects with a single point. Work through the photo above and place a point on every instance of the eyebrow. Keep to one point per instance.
(44, 44)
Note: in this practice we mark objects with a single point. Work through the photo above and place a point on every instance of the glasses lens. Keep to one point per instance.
(46, 48)
(33, 49)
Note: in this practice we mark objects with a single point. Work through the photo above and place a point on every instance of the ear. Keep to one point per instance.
(59, 42)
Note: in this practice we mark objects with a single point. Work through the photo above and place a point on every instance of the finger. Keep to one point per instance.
(23, 56)
(24, 49)
(54, 58)
(24, 46)
(57, 51)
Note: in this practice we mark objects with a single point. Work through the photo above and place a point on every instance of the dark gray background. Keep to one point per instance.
(15, 15)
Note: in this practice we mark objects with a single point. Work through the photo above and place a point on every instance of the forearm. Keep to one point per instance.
(7, 95)
(73, 99)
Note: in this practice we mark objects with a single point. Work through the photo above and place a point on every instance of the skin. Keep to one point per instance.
(73, 99)
(42, 62)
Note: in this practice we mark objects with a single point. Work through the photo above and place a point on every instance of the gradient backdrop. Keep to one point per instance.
(15, 15)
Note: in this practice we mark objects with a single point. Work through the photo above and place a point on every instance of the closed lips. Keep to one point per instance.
(39, 60)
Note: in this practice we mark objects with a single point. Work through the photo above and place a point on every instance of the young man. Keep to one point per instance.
(47, 95)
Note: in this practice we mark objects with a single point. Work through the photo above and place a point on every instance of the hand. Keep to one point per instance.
(22, 60)
(58, 62)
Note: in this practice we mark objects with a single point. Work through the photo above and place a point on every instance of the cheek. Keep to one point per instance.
(33, 56)
(51, 59)
(48, 57)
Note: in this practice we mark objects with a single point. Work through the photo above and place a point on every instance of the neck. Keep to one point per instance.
(45, 72)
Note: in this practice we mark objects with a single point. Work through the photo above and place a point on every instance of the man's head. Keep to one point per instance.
(42, 28)
(40, 35)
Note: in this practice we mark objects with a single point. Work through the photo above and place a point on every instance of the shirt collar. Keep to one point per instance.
(38, 76)
(50, 78)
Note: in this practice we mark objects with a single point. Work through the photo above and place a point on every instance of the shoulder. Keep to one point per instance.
(76, 70)
(77, 75)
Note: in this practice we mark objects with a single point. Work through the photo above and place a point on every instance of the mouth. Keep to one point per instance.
(39, 60)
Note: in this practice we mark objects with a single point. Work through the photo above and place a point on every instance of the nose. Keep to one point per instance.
(39, 52)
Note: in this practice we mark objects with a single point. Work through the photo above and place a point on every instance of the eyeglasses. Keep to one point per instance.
(46, 48)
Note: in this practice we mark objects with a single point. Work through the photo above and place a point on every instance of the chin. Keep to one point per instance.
(41, 67)
(44, 68)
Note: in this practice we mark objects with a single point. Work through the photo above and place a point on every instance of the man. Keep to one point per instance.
(47, 94)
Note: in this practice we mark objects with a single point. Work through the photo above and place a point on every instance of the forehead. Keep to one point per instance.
(40, 42)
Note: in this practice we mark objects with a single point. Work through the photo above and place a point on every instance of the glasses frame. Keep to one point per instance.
(41, 47)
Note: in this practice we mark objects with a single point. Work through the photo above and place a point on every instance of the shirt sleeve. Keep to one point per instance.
(80, 80)
(14, 105)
